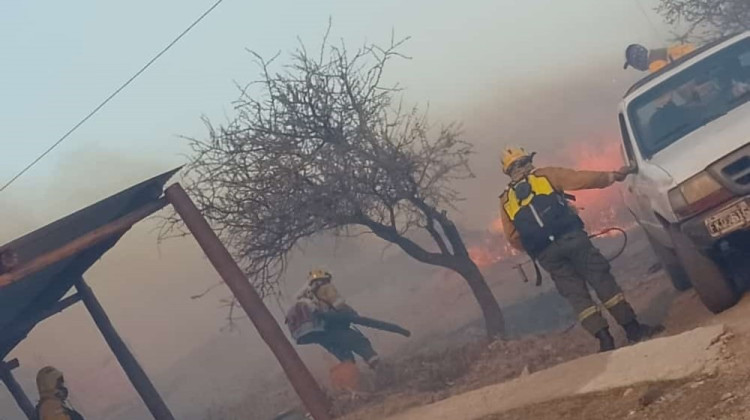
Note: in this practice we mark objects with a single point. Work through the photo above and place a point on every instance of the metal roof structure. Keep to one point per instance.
(24, 302)
(39, 269)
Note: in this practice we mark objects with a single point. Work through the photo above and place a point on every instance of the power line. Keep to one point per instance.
(110, 97)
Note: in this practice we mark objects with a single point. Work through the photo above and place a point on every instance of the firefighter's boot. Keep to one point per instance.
(636, 332)
(606, 341)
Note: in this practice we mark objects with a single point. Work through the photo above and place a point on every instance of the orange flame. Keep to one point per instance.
(483, 257)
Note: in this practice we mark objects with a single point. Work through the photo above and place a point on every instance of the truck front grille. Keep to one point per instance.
(734, 170)
(740, 165)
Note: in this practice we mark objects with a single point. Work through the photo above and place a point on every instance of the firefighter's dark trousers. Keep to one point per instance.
(573, 261)
(343, 343)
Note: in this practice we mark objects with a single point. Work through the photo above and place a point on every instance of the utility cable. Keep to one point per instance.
(110, 97)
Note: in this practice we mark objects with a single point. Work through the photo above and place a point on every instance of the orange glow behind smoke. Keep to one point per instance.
(599, 209)
(494, 249)
(603, 208)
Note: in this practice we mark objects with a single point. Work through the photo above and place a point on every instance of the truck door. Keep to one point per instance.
(638, 189)
(627, 151)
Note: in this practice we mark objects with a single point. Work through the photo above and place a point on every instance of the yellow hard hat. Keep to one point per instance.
(48, 379)
(318, 275)
(511, 155)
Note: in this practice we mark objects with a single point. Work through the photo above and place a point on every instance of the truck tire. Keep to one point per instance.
(671, 264)
(716, 291)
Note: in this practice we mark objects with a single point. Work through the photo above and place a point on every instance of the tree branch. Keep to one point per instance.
(407, 245)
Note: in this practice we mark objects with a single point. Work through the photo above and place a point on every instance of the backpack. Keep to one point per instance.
(303, 321)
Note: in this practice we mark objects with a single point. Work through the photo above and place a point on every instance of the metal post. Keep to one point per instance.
(304, 384)
(130, 365)
(15, 389)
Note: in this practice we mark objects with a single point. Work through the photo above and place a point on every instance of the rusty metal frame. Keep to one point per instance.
(309, 391)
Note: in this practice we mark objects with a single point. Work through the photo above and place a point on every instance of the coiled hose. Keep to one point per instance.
(624, 240)
(592, 236)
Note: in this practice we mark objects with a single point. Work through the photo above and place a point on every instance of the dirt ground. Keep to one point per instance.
(720, 395)
(434, 376)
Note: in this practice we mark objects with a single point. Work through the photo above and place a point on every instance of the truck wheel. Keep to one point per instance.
(716, 291)
(672, 265)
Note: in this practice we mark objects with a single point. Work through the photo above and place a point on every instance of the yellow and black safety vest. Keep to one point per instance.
(539, 213)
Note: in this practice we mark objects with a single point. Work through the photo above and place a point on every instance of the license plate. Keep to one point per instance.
(730, 219)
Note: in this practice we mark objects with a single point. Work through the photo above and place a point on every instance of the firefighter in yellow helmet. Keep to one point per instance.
(538, 219)
(53, 396)
(309, 323)
(643, 59)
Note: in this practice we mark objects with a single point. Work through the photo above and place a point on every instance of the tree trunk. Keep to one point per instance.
(493, 315)
(460, 262)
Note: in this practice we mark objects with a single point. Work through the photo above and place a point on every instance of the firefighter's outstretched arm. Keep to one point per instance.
(564, 179)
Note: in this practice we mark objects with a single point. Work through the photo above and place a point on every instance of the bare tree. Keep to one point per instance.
(324, 145)
(707, 19)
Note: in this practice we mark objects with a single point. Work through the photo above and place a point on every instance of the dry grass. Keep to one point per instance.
(435, 375)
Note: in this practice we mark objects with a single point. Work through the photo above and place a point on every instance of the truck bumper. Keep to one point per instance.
(734, 215)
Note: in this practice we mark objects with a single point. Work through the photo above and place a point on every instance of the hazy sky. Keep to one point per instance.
(60, 59)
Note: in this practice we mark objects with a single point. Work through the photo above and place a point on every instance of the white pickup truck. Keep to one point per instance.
(686, 134)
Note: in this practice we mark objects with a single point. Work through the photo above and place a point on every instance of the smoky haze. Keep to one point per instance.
(559, 102)
(146, 286)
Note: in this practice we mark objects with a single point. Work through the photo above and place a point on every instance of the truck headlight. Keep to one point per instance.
(697, 194)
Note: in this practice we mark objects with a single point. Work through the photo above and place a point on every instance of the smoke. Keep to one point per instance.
(145, 288)
(556, 117)
(569, 119)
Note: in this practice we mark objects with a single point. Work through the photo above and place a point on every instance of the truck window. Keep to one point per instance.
(691, 98)
(627, 145)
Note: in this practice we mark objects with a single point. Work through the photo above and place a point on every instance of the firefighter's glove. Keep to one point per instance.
(621, 174)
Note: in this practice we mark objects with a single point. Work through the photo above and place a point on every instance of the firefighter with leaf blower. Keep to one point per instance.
(321, 316)
(538, 220)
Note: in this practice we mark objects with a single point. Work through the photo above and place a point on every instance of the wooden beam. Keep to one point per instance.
(130, 365)
(15, 389)
(81, 243)
(8, 260)
(304, 384)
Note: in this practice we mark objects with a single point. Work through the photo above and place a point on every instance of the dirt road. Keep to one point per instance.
(444, 372)
(718, 395)
(721, 392)
(671, 358)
